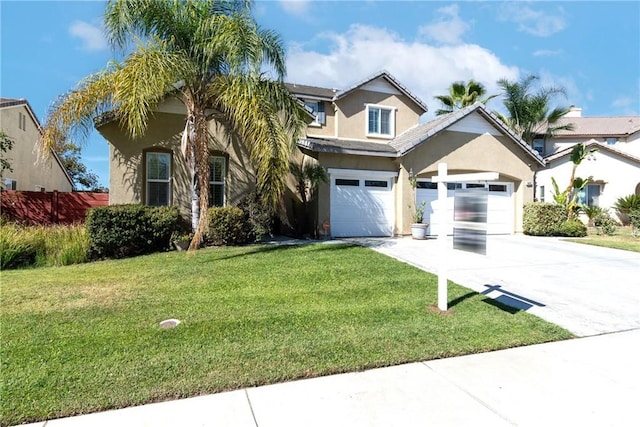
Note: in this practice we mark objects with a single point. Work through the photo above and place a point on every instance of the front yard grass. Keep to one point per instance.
(622, 239)
(85, 338)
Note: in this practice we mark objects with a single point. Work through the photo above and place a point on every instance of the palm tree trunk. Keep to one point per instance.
(201, 150)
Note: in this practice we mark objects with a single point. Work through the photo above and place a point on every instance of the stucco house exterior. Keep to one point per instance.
(614, 166)
(370, 139)
(30, 171)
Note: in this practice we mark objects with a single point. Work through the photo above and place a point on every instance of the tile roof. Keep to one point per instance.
(366, 148)
(314, 91)
(9, 102)
(412, 137)
(335, 94)
(600, 126)
(592, 144)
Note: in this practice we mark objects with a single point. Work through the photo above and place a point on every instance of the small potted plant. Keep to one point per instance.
(181, 241)
(418, 228)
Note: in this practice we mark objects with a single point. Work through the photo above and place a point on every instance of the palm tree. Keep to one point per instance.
(308, 175)
(529, 112)
(462, 95)
(208, 54)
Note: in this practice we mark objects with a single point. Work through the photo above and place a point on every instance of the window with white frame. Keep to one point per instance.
(317, 109)
(538, 145)
(589, 195)
(158, 178)
(217, 166)
(380, 120)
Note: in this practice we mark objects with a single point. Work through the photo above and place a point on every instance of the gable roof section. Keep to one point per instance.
(592, 144)
(394, 82)
(11, 102)
(415, 136)
(620, 126)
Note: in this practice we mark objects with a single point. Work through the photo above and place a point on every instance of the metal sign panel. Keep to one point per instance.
(470, 220)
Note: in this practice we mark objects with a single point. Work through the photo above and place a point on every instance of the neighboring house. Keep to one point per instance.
(30, 171)
(614, 167)
(368, 137)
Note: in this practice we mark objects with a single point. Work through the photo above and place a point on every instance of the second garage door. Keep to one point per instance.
(362, 203)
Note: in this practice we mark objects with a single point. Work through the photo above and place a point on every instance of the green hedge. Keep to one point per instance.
(573, 228)
(544, 219)
(227, 226)
(120, 231)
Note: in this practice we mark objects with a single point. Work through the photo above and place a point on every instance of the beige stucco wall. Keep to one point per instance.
(28, 170)
(328, 130)
(164, 131)
(467, 153)
(352, 120)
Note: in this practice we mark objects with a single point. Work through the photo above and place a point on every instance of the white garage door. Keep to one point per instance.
(362, 203)
(500, 218)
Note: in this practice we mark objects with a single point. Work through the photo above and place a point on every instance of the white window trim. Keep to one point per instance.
(361, 173)
(223, 182)
(392, 121)
(149, 180)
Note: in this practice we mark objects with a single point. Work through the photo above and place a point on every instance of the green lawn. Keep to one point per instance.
(85, 338)
(622, 239)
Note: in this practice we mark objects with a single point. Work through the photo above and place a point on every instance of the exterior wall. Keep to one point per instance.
(341, 161)
(468, 153)
(327, 130)
(352, 120)
(630, 145)
(618, 176)
(126, 177)
(28, 171)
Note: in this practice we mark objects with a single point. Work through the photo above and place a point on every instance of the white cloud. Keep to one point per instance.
(448, 28)
(535, 22)
(548, 52)
(426, 70)
(295, 7)
(91, 36)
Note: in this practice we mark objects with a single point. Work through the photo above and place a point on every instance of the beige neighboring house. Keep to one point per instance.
(30, 172)
(614, 167)
(368, 137)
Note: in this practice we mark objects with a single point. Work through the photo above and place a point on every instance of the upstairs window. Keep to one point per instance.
(22, 121)
(612, 141)
(217, 167)
(538, 145)
(158, 179)
(380, 121)
(317, 109)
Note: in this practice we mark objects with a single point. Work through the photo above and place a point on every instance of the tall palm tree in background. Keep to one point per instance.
(529, 111)
(462, 95)
(209, 55)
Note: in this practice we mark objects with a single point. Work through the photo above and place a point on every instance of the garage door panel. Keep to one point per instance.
(361, 206)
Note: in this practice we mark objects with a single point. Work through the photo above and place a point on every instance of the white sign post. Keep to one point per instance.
(442, 179)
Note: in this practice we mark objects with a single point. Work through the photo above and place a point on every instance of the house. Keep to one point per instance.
(369, 138)
(614, 166)
(30, 172)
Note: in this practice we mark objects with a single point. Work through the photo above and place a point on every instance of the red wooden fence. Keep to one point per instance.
(51, 207)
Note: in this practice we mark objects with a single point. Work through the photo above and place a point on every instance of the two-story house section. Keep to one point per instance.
(614, 165)
(30, 171)
(371, 140)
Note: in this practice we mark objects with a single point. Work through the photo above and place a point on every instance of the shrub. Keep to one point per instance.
(17, 246)
(259, 216)
(543, 219)
(573, 228)
(592, 212)
(119, 231)
(227, 226)
(605, 225)
(634, 219)
(624, 205)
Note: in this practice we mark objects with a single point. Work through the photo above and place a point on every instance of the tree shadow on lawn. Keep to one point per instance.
(268, 247)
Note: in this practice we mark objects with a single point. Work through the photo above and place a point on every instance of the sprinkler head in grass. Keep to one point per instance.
(169, 323)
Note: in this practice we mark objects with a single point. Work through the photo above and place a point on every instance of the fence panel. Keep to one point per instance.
(52, 207)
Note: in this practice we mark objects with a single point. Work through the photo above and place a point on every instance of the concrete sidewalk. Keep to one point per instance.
(592, 381)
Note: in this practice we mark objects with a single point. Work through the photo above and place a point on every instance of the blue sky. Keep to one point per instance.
(591, 48)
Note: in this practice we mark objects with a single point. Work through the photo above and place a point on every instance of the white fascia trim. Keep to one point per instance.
(362, 173)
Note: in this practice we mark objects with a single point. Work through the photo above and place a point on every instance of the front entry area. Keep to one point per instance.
(362, 203)
(500, 212)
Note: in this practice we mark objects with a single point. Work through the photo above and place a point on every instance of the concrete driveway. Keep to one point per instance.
(586, 289)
